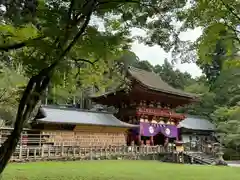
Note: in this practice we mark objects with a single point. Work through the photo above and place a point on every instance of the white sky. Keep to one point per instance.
(155, 55)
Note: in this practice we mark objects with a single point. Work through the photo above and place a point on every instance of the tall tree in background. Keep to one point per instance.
(11, 84)
(46, 36)
(173, 77)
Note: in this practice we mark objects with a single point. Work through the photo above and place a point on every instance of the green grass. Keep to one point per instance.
(117, 170)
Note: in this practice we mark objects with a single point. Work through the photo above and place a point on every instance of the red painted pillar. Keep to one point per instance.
(151, 141)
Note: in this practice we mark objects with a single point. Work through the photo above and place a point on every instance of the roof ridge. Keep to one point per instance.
(152, 72)
(73, 109)
(169, 88)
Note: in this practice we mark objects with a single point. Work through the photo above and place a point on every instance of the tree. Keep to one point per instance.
(46, 36)
(227, 87)
(145, 65)
(11, 83)
(175, 78)
(228, 123)
(219, 20)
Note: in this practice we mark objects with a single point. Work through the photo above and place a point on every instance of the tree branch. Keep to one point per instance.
(230, 9)
(19, 45)
(85, 60)
(82, 61)
(157, 9)
(81, 31)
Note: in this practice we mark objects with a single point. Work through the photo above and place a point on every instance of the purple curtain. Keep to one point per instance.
(147, 129)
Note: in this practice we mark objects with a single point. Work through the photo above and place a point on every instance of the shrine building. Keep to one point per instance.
(145, 116)
(150, 104)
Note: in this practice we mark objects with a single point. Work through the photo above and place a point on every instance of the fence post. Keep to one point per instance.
(91, 153)
(80, 153)
(49, 151)
(27, 153)
(74, 152)
(42, 151)
(62, 150)
(35, 153)
(20, 153)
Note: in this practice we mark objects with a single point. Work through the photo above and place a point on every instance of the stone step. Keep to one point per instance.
(201, 158)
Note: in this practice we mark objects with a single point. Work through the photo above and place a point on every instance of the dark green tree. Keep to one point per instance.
(46, 36)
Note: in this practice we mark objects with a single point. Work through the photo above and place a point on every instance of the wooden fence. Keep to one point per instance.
(80, 153)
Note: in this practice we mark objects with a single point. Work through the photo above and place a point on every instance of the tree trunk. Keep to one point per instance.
(30, 98)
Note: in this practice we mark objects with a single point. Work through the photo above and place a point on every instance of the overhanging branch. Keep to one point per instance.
(85, 60)
(81, 31)
(20, 45)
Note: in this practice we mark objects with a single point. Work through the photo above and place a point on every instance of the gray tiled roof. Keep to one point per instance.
(153, 81)
(196, 123)
(74, 116)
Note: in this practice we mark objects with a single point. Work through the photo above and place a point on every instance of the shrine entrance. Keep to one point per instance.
(159, 139)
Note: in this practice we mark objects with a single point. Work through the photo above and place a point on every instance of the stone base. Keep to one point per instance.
(220, 163)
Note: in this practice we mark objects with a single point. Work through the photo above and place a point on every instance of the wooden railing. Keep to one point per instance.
(81, 153)
(210, 148)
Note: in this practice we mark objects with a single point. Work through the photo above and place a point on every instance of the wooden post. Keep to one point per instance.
(151, 141)
(27, 153)
(40, 139)
(106, 153)
(74, 152)
(55, 149)
(91, 153)
(62, 150)
(79, 152)
(101, 154)
(20, 153)
(21, 139)
(35, 153)
(42, 153)
(49, 151)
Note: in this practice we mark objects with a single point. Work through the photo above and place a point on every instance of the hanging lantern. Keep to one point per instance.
(141, 119)
(161, 121)
(144, 103)
(151, 104)
(154, 121)
(146, 119)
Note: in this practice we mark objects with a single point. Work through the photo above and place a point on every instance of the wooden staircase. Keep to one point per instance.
(200, 158)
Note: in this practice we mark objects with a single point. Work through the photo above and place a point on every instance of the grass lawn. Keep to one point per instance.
(117, 170)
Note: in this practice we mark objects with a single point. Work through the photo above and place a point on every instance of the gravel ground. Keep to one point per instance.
(234, 163)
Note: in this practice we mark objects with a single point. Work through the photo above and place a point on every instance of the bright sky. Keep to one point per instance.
(155, 55)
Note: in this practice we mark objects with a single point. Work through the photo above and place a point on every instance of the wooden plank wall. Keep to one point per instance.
(87, 136)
